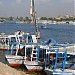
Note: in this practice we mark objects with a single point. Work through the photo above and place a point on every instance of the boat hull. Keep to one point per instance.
(10, 49)
(63, 73)
(14, 60)
(3, 47)
(33, 66)
(59, 72)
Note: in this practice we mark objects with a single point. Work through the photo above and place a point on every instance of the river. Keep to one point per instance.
(61, 33)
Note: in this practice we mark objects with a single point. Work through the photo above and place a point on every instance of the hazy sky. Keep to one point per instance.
(48, 8)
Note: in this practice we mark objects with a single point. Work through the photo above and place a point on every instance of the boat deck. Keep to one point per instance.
(52, 49)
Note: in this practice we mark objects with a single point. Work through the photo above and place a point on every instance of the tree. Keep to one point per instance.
(11, 18)
(21, 18)
(43, 18)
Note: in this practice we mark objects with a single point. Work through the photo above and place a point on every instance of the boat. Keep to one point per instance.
(7, 40)
(19, 32)
(54, 58)
(19, 36)
(33, 66)
(32, 56)
(14, 57)
(43, 25)
(14, 60)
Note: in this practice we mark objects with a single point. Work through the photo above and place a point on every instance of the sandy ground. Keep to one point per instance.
(7, 70)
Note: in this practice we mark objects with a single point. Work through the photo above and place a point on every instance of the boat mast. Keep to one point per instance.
(33, 17)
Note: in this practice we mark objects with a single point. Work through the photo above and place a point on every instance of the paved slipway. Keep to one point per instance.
(7, 70)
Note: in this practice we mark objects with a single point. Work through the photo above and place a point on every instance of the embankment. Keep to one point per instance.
(7, 70)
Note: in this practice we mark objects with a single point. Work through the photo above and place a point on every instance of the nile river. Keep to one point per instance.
(61, 33)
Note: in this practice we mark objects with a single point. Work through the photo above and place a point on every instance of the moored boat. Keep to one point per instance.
(31, 61)
(14, 57)
(7, 40)
(54, 66)
(14, 60)
(33, 66)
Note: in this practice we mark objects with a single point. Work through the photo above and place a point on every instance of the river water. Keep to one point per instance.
(61, 33)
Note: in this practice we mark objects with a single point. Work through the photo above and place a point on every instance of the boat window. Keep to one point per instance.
(28, 52)
(7, 40)
(29, 38)
(20, 39)
(22, 52)
(13, 39)
(42, 54)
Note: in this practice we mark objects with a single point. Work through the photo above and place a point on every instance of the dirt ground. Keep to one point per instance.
(7, 70)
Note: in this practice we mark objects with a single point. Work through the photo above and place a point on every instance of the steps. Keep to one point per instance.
(35, 53)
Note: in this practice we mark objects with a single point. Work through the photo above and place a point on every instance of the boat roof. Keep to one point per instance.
(9, 36)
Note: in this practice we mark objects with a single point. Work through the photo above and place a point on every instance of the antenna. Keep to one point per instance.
(33, 17)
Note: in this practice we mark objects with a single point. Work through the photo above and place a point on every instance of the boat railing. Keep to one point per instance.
(52, 58)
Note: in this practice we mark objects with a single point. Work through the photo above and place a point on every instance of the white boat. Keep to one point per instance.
(19, 37)
(14, 57)
(59, 72)
(19, 32)
(7, 40)
(57, 58)
(31, 61)
(14, 60)
(33, 66)
(43, 25)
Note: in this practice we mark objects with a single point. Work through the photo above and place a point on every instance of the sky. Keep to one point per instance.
(44, 8)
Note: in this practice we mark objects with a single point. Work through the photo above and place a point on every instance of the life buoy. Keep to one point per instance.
(3, 40)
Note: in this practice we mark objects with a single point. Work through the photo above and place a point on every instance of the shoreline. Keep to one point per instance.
(7, 70)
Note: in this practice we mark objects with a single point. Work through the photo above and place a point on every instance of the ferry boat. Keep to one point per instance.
(54, 57)
(43, 25)
(32, 58)
(7, 40)
(19, 37)
(14, 57)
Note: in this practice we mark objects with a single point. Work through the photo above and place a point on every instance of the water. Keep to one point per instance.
(61, 33)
